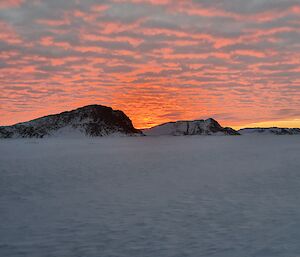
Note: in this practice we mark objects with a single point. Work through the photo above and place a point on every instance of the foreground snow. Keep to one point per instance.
(150, 196)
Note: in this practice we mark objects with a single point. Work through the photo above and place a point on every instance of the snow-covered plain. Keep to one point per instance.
(150, 197)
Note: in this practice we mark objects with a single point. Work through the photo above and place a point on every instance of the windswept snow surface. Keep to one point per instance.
(150, 197)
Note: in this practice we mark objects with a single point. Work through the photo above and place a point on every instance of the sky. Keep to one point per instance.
(237, 61)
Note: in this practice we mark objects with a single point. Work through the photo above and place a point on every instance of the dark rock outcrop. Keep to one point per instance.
(91, 120)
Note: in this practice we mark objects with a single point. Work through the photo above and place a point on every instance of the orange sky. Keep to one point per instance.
(236, 61)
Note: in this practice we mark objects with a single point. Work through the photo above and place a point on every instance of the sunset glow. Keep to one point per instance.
(236, 61)
(295, 123)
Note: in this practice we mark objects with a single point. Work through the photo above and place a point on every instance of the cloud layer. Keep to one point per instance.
(158, 60)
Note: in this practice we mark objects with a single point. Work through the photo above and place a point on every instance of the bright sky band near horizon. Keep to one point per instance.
(236, 61)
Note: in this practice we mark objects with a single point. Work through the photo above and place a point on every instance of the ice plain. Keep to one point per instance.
(217, 196)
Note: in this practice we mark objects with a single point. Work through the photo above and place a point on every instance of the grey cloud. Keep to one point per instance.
(117, 69)
(287, 112)
(219, 70)
(249, 6)
(276, 67)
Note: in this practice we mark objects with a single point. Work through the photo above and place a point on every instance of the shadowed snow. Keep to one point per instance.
(150, 196)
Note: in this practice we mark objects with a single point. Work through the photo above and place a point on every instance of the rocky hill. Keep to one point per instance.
(91, 120)
(195, 127)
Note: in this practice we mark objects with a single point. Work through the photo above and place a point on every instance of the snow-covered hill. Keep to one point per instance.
(91, 120)
(268, 131)
(196, 127)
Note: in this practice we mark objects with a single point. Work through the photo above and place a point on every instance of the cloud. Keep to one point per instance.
(156, 60)
(6, 4)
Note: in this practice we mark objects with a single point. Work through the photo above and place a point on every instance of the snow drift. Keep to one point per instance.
(203, 196)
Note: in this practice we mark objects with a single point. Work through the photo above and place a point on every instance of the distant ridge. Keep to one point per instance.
(270, 131)
(91, 120)
(98, 120)
(194, 127)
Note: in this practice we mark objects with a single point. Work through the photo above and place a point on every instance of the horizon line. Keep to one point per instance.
(285, 123)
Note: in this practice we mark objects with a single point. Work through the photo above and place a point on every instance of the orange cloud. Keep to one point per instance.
(156, 60)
